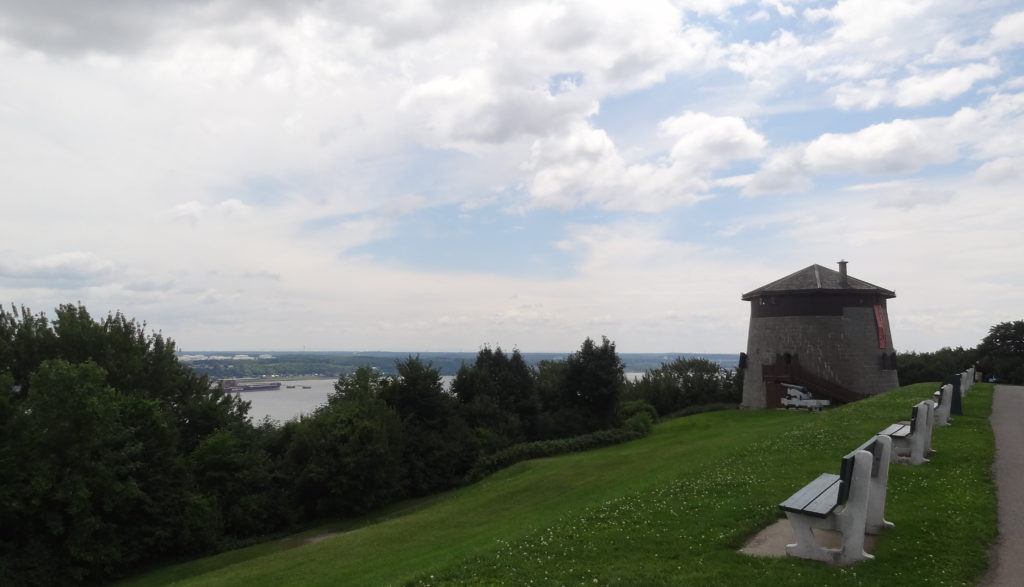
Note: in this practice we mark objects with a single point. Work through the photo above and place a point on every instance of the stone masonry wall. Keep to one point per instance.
(843, 349)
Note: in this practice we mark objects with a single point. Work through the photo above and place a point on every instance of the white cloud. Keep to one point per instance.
(716, 7)
(918, 90)
(867, 95)
(587, 168)
(61, 271)
(499, 97)
(1001, 170)
(880, 185)
(234, 207)
(907, 199)
(781, 172)
(899, 146)
(1009, 31)
(315, 129)
(187, 212)
(473, 109)
(876, 25)
(706, 141)
(915, 90)
(772, 62)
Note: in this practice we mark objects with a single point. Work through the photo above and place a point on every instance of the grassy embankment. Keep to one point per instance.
(670, 509)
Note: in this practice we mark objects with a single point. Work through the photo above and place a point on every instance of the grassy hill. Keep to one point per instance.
(670, 509)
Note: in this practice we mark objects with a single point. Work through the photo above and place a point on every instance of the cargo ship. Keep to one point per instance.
(233, 385)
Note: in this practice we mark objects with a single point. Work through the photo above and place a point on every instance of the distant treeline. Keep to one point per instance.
(334, 364)
(114, 454)
(1000, 355)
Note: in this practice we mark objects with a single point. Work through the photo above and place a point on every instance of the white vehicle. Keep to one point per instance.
(798, 397)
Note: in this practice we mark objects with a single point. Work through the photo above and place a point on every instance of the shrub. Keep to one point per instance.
(638, 427)
(631, 408)
(700, 409)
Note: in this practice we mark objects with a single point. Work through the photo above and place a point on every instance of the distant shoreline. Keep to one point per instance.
(330, 366)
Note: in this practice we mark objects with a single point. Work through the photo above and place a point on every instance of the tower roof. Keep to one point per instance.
(818, 280)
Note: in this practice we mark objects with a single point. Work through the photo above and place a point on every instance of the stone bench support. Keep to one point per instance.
(912, 441)
(851, 503)
(943, 400)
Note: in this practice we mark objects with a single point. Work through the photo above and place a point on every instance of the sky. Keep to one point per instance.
(438, 175)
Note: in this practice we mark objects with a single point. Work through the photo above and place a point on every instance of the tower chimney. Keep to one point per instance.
(843, 281)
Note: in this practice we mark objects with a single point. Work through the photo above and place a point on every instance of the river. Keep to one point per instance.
(307, 395)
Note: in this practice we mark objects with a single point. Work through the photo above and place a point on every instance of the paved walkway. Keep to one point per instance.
(1007, 562)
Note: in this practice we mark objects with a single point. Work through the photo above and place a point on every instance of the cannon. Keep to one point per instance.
(798, 397)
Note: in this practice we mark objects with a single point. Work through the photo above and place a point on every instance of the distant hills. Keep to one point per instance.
(222, 364)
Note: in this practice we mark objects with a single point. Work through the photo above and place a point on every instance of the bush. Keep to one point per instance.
(686, 382)
(628, 409)
(638, 427)
(640, 422)
(700, 409)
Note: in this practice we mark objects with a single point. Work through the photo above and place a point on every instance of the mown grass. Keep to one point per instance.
(670, 509)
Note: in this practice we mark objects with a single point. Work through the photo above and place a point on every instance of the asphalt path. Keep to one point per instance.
(1006, 567)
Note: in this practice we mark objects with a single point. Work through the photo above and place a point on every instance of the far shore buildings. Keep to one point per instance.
(821, 329)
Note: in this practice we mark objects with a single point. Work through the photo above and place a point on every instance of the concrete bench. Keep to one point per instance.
(957, 391)
(967, 380)
(912, 441)
(850, 503)
(943, 403)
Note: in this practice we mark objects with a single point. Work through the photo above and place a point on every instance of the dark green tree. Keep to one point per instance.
(686, 382)
(101, 425)
(135, 362)
(439, 445)
(92, 480)
(934, 366)
(236, 471)
(498, 399)
(347, 456)
(594, 380)
(1001, 352)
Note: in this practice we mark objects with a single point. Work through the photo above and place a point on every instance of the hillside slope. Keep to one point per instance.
(669, 509)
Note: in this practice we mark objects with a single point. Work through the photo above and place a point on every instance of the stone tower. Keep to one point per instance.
(821, 329)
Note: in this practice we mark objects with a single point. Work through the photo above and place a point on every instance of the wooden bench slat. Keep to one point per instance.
(826, 502)
(898, 430)
(817, 498)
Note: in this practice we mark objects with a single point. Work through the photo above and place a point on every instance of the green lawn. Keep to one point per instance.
(670, 509)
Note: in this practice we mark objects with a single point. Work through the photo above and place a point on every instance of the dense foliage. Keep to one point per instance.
(1000, 356)
(934, 366)
(1001, 352)
(114, 454)
(101, 428)
(685, 383)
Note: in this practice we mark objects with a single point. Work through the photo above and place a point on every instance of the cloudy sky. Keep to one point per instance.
(438, 175)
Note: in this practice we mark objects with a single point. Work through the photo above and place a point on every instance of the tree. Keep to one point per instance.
(498, 398)
(686, 382)
(101, 424)
(1005, 338)
(244, 483)
(347, 456)
(135, 362)
(934, 366)
(439, 446)
(1002, 352)
(594, 380)
(92, 480)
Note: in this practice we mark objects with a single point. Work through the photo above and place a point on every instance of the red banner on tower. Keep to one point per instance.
(883, 331)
